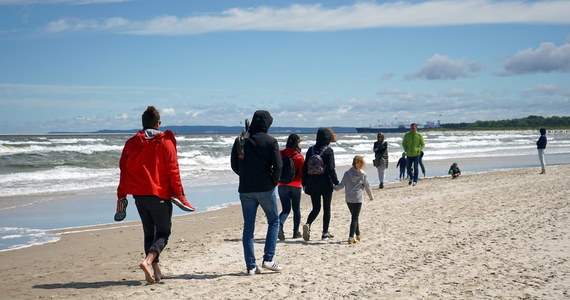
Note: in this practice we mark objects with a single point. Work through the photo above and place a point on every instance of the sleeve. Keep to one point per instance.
(172, 167)
(276, 162)
(405, 143)
(305, 167)
(367, 187)
(421, 145)
(341, 184)
(234, 160)
(123, 177)
(331, 167)
(299, 164)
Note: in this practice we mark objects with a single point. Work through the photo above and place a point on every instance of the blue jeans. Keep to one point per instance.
(415, 160)
(290, 196)
(249, 204)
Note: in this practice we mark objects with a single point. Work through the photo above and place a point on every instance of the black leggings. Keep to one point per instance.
(354, 212)
(316, 200)
(156, 218)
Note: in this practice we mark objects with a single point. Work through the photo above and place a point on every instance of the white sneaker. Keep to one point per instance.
(414, 184)
(272, 265)
(254, 271)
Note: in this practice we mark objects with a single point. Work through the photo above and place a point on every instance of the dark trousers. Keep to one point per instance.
(316, 200)
(156, 218)
(354, 212)
(290, 197)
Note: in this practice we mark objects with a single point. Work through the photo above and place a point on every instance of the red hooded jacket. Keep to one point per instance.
(298, 160)
(149, 166)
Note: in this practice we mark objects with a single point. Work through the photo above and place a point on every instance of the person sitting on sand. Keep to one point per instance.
(354, 181)
(454, 171)
(150, 172)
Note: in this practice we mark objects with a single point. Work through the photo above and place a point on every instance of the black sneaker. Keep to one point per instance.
(326, 236)
(297, 235)
(381, 185)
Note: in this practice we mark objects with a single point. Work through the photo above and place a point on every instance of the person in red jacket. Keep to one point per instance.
(150, 172)
(290, 193)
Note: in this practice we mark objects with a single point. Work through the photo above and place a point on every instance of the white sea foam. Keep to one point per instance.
(16, 238)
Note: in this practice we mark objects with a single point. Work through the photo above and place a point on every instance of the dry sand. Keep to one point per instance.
(494, 235)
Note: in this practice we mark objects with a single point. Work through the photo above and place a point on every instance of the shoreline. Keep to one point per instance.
(497, 234)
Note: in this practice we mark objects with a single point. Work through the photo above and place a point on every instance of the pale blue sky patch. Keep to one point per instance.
(86, 65)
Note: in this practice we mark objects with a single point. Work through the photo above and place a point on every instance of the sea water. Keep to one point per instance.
(59, 181)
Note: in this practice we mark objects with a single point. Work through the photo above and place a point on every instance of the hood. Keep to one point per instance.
(260, 122)
(148, 136)
(354, 175)
(323, 136)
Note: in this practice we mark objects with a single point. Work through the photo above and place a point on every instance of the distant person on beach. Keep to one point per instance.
(354, 181)
(454, 171)
(413, 144)
(319, 177)
(541, 146)
(150, 172)
(402, 163)
(380, 149)
(421, 163)
(259, 170)
(290, 192)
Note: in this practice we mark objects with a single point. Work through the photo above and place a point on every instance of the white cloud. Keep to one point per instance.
(70, 2)
(440, 67)
(545, 59)
(362, 15)
(168, 112)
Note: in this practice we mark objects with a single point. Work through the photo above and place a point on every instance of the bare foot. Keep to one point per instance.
(146, 269)
(157, 272)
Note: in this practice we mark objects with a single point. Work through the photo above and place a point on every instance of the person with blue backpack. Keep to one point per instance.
(290, 185)
(319, 177)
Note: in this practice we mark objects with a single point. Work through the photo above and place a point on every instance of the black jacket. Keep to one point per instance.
(541, 143)
(260, 168)
(320, 184)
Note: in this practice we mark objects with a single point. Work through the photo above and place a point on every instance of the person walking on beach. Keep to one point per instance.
(354, 181)
(402, 165)
(541, 146)
(259, 169)
(319, 177)
(413, 144)
(290, 192)
(150, 172)
(380, 149)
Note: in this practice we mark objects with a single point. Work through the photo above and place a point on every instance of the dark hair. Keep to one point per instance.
(543, 131)
(150, 117)
(380, 134)
(414, 124)
(292, 141)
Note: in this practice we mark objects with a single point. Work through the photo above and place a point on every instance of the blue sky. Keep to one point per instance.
(85, 65)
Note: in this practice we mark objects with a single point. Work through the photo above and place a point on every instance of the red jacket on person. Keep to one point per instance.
(298, 161)
(149, 166)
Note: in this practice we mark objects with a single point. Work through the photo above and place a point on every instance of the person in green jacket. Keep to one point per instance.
(413, 144)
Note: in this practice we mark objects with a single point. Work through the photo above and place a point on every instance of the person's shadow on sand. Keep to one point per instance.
(87, 285)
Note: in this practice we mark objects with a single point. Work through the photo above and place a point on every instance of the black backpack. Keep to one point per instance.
(288, 170)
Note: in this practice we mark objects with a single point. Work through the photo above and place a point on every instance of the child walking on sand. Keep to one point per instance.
(354, 181)
(402, 163)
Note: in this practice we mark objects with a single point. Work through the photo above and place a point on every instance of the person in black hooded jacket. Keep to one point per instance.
(259, 170)
(318, 186)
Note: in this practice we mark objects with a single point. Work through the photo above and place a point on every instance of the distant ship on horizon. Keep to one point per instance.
(399, 127)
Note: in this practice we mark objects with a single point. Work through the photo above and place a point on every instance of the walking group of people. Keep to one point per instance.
(150, 172)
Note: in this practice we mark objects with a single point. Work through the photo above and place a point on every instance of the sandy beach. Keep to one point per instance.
(502, 234)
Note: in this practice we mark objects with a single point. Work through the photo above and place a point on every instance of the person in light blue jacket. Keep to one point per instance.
(354, 181)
